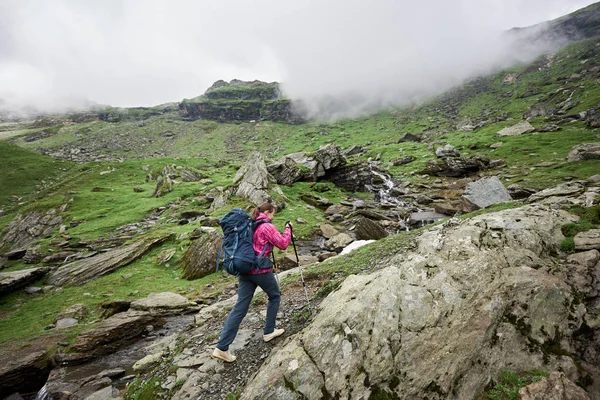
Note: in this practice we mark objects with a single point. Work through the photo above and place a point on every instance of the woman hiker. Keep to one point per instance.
(265, 233)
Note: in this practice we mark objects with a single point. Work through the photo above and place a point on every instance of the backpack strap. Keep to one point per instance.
(219, 256)
(268, 245)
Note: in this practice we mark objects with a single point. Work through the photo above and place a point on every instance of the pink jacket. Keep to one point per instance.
(268, 233)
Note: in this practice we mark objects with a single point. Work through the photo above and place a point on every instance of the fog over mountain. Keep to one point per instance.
(338, 56)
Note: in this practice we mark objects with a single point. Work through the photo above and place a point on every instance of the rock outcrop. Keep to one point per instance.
(83, 271)
(473, 298)
(240, 101)
(26, 229)
(586, 151)
(110, 335)
(457, 167)
(201, 257)
(518, 129)
(253, 180)
(15, 280)
(304, 167)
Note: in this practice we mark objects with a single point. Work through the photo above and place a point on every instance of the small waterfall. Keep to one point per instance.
(383, 191)
(42, 394)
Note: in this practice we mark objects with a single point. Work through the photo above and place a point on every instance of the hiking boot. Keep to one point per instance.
(223, 355)
(273, 335)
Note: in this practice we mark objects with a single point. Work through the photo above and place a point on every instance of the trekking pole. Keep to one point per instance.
(275, 269)
(298, 263)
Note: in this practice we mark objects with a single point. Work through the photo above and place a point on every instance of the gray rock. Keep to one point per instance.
(201, 257)
(83, 271)
(328, 231)
(517, 191)
(454, 296)
(302, 166)
(33, 290)
(457, 167)
(24, 368)
(587, 240)
(369, 230)
(107, 337)
(108, 393)
(66, 323)
(26, 229)
(422, 218)
(566, 189)
(164, 303)
(147, 362)
(15, 280)
(585, 151)
(164, 185)
(253, 180)
(447, 151)
(518, 129)
(33, 255)
(338, 242)
(165, 255)
(402, 161)
(76, 311)
(484, 193)
(556, 387)
(338, 209)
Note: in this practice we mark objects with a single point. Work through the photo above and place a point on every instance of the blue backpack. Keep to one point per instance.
(238, 253)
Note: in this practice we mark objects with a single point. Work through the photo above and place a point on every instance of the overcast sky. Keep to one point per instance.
(148, 52)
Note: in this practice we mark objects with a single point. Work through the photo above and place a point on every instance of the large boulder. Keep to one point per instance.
(24, 369)
(307, 167)
(163, 304)
(356, 177)
(585, 151)
(369, 230)
(518, 129)
(463, 302)
(484, 193)
(253, 180)
(83, 271)
(107, 337)
(446, 151)
(15, 280)
(201, 257)
(457, 167)
(566, 189)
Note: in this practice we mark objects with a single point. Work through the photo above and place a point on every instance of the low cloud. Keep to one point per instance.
(338, 57)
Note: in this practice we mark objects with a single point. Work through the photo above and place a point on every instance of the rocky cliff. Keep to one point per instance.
(471, 299)
(240, 101)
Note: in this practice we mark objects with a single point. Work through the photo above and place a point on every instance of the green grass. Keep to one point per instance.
(508, 383)
(32, 313)
(22, 171)
(158, 137)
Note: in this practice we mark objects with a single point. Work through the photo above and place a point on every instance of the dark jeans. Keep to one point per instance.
(246, 286)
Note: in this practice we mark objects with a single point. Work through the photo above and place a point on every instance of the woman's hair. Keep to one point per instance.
(262, 208)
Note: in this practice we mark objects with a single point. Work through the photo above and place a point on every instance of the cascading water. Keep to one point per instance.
(383, 191)
(42, 394)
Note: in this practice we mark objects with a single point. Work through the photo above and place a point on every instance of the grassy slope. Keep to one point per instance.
(105, 202)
